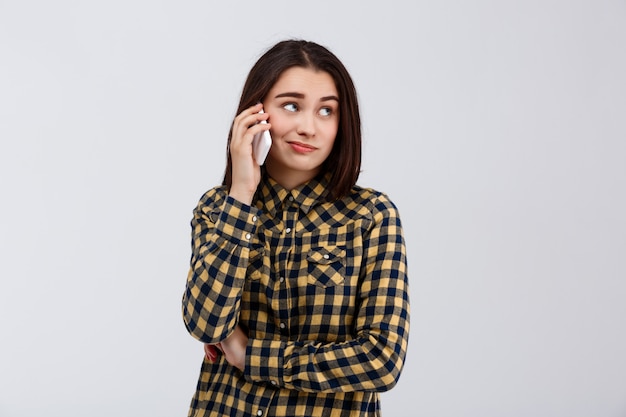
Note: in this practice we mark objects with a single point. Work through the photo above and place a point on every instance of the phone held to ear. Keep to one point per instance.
(261, 144)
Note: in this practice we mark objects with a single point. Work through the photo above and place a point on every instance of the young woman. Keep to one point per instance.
(298, 284)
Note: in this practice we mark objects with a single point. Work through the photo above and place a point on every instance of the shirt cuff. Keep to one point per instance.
(264, 361)
(237, 221)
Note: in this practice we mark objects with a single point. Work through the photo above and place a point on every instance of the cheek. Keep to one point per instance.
(280, 126)
(330, 133)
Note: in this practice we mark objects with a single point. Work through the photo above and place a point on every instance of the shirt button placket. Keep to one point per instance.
(290, 216)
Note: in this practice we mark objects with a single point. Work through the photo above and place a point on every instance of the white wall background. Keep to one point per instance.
(497, 127)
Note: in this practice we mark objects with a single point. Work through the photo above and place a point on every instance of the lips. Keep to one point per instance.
(301, 147)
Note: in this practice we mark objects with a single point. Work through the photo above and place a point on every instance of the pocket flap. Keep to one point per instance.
(256, 252)
(325, 256)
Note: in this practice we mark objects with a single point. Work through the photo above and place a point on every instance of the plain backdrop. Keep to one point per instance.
(497, 127)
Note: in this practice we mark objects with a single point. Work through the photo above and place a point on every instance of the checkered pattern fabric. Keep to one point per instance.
(319, 287)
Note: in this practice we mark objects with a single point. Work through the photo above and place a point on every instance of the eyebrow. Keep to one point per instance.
(300, 95)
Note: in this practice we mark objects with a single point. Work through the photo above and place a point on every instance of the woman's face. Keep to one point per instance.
(304, 112)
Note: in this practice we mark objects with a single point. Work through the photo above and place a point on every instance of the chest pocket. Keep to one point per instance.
(326, 266)
(256, 265)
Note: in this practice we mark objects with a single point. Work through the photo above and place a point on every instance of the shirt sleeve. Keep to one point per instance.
(374, 358)
(222, 228)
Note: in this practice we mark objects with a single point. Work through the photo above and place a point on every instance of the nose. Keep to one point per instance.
(306, 125)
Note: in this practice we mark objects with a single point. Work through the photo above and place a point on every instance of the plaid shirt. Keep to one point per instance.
(319, 287)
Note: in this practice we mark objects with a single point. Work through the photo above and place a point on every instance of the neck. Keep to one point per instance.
(289, 179)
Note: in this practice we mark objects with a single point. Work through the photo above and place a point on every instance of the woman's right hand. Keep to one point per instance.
(246, 173)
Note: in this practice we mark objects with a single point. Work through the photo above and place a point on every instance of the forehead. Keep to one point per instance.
(310, 82)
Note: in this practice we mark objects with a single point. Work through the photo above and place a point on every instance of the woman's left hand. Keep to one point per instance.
(233, 348)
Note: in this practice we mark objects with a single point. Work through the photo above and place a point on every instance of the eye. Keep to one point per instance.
(326, 111)
(291, 107)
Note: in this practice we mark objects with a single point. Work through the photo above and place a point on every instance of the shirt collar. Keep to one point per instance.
(271, 196)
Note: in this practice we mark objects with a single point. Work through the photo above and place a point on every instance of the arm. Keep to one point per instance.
(373, 360)
(221, 232)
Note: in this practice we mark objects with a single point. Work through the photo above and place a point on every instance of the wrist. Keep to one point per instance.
(243, 196)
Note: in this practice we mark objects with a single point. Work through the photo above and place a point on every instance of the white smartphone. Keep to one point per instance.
(261, 144)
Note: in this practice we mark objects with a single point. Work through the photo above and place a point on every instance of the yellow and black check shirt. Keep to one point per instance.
(319, 287)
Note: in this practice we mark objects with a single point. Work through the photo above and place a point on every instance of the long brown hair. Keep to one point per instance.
(344, 161)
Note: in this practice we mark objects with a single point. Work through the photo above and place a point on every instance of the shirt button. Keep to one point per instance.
(273, 382)
(290, 198)
(326, 256)
(253, 218)
(281, 279)
(259, 413)
(288, 230)
(282, 325)
(248, 236)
